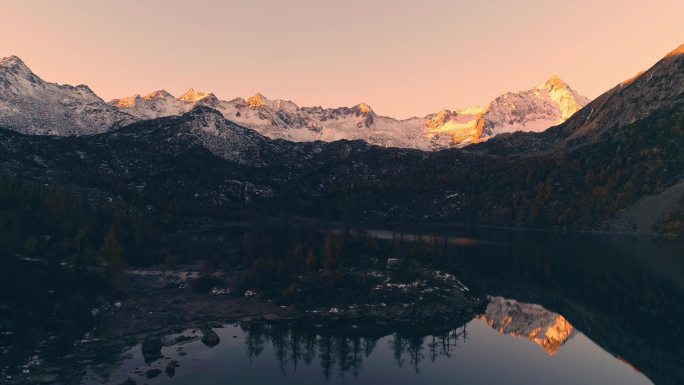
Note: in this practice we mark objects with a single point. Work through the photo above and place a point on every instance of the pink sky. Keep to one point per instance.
(404, 58)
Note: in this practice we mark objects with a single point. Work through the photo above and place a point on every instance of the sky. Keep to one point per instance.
(404, 58)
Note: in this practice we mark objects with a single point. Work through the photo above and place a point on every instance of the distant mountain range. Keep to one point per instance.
(202, 168)
(32, 106)
(535, 110)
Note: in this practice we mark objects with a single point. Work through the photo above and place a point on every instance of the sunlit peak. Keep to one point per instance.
(160, 94)
(193, 96)
(364, 108)
(554, 82)
(257, 100)
(127, 102)
(439, 119)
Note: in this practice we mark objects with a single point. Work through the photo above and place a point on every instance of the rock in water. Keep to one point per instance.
(129, 381)
(152, 373)
(210, 338)
(151, 344)
(171, 368)
(151, 348)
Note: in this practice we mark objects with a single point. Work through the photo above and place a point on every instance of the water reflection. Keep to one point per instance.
(561, 309)
(342, 355)
(474, 353)
(544, 328)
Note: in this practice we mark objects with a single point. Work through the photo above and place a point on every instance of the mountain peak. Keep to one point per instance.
(364, 108)
(159, 94)
(553, 83)
(12, 62)
(193, 96)
(15, 66)
(127, 102)
(439, 119)
(257, 100)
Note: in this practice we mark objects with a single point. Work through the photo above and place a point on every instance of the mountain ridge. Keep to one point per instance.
(31, 105)
(85, 113)
(552, 179)
(545, 105)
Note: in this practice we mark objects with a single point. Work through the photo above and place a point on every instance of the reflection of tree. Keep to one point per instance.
(415, 350)
(398, 346)
(277, 336)
(432, 348)
(357, 356)
(295, 348)
(441, 345)
(344, 354)
(309, 348)
(254, 341)
(325, 351)
(369, 345)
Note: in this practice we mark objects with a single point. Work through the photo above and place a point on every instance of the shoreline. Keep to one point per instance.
(152, 303)
(432, 226)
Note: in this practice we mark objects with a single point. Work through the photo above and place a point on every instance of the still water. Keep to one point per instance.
(560, 310)
(474, 354)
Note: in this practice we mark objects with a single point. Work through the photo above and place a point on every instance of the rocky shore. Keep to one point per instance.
(152, 304)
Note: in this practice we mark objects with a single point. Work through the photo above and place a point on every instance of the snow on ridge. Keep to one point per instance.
(30, 105)
(533, 110)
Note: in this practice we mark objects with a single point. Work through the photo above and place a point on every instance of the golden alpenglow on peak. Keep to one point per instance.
(364, 108)
(159, 94)
(256, 101)
(193, 96)
(439, 119)
(554, 82)
(127, 102)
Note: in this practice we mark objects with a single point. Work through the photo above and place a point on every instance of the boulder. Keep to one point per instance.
(151, 344)
(152, 373)
(171, 368)
(210, 338)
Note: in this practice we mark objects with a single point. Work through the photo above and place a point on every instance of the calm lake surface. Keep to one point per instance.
(561, 309)
(475, 354)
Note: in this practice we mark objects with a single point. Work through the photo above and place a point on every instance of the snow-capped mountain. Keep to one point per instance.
(210, 165)
(534, 110)
(32, 106)
(545, 328)
(150, 106)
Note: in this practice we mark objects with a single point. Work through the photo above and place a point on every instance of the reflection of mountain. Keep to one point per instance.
(614, 291)
(545, 328)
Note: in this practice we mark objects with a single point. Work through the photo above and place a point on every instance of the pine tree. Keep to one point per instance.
(110, 254)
